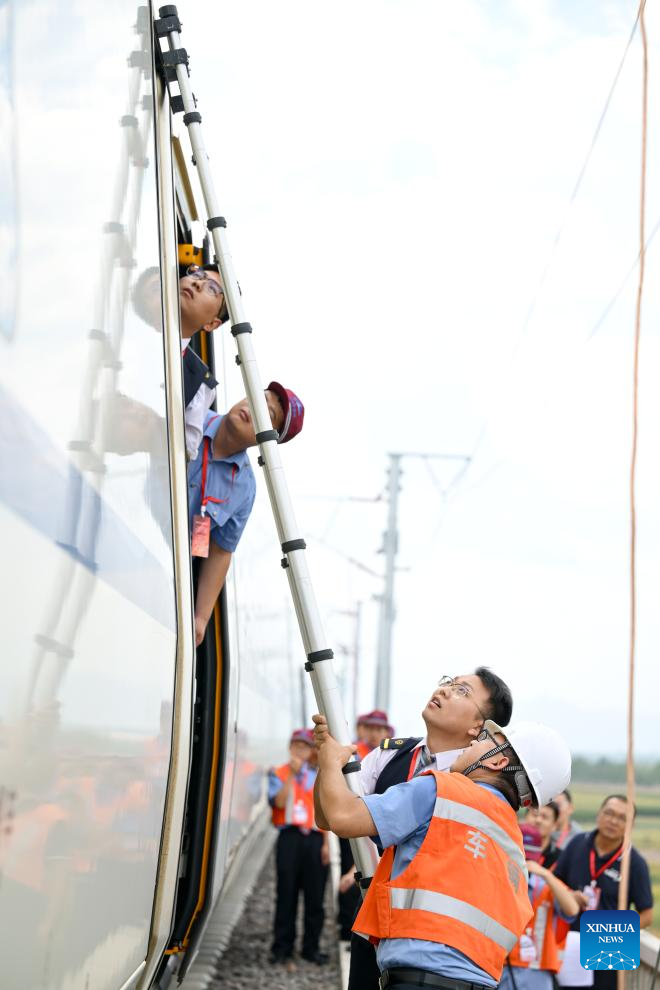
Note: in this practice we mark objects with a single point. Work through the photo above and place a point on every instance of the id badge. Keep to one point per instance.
(527, 949)
(592, 894)
(299, 813)
(201, 534)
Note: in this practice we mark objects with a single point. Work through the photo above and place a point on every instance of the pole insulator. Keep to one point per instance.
(290, 545)
(238, 328)
(194, 117)
(352, 767)
(213, 222)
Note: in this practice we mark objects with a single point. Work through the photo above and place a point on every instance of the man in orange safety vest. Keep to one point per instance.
(302, 853)
(449, 899)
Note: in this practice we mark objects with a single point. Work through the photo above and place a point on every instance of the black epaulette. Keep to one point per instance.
(398, 767)
(392, 743)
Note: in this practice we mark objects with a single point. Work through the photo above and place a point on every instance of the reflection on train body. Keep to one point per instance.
(87, 677)
(89, 641)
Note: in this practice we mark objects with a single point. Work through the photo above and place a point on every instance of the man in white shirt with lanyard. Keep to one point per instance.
(454, 716)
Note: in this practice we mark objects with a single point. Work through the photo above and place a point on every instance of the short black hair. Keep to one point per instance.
(554, 807)
(567, 795)
(500, 702)
(618, 797)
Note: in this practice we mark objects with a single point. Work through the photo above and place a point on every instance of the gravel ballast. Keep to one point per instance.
(244, 964)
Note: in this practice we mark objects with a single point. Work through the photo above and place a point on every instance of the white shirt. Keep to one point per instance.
(195, 414)
(375, 762)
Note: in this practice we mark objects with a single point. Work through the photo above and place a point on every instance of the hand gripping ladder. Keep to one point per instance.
(319, 657)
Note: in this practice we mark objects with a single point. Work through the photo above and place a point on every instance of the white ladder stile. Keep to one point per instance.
(319, 656)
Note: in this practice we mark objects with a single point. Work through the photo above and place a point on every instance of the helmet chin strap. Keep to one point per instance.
(520, 779)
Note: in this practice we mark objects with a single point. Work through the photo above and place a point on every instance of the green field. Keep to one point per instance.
(646, 835)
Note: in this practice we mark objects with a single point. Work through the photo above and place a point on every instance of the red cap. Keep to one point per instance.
(531, 842)
(294, 411)
(376, 717)
(302, 735)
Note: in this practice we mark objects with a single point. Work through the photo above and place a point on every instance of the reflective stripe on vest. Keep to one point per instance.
(450, 907)
(549, 930)
(454, 812)
(299, 807)
(466, 885)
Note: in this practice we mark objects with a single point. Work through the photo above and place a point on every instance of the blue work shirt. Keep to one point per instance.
(228, 479)
(306, 776)
(402, 816)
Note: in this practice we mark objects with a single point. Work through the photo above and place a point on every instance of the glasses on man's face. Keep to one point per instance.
(462, 690)
(194, 271)
(484, 735)
(614, 816)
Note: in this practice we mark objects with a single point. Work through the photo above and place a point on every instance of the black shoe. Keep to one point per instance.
(277, 957)
(320, 958)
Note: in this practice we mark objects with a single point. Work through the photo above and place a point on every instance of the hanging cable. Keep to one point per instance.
(578, 183)
(615, 298)
(630, 766)
(576, 189)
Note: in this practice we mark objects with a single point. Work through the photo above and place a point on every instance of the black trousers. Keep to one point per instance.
(349, 901)
(299, 867)
(364, 973)
(604, 979)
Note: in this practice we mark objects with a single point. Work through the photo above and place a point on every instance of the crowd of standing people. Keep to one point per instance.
(484, 873)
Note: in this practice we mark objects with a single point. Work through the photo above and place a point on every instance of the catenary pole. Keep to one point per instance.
(387, 610)
(387, 613)
(319, 657)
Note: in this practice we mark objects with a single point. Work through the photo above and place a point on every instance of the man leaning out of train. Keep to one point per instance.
(203, 308)
(302, 853)
(221, 489)
(449, 899)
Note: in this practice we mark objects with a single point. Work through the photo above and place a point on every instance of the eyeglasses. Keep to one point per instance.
(461, 689)
(194, 271)
(485, 734)
(613, 816)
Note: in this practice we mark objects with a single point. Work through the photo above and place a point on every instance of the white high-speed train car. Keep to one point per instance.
(131, 769)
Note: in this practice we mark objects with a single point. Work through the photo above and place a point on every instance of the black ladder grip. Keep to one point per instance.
(290, 545)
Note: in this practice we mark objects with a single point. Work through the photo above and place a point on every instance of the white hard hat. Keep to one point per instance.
(545, 757)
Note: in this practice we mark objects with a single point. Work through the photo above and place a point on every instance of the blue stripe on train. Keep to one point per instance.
(39, 484)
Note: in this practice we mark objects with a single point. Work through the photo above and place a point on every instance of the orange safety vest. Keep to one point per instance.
(465, 887)
(299, 808)
(363, 749)
(547, 930)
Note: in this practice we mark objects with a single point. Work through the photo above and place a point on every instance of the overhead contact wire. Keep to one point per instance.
(576, 188)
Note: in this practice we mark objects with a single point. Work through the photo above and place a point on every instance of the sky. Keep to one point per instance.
(398, 179)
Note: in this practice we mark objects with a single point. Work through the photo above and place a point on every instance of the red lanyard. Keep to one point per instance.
(416, 757)
(592, 863)
(205, 461)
